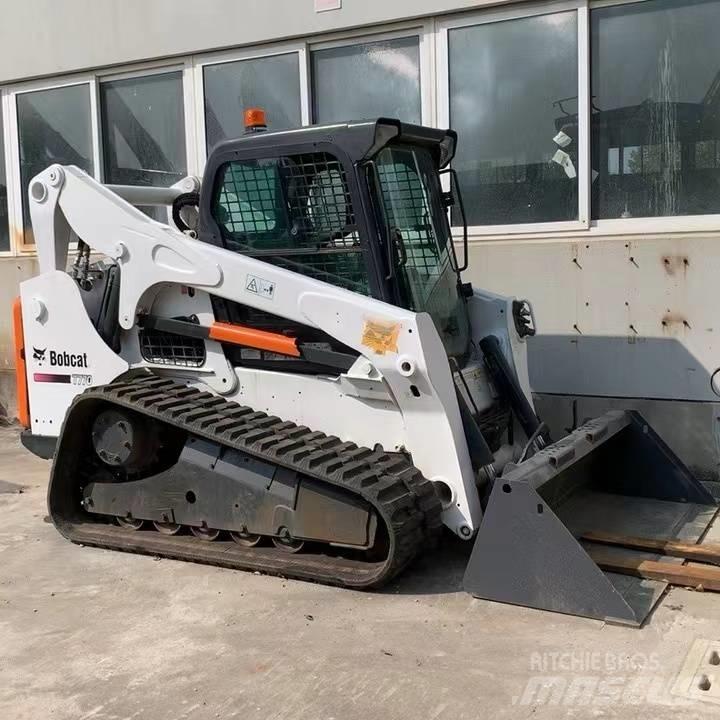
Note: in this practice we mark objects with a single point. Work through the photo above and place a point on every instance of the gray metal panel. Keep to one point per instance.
(656, 367)
(227, 489)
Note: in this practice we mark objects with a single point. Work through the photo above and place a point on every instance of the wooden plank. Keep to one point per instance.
(685, 575)
(709, 553)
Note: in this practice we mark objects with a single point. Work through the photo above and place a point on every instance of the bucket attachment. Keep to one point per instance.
(612, 475)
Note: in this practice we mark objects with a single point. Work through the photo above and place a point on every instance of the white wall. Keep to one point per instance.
(49, 37)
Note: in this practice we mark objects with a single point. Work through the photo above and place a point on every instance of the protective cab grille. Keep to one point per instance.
(295, 212)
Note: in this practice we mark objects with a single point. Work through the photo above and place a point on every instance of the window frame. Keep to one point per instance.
(258, 52)
(5, 139)
(591, 229)
(425, 32)
(93, 79)
(503, 14)
(432, 33)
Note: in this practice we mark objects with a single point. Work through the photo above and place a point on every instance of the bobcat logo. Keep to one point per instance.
(39, 355)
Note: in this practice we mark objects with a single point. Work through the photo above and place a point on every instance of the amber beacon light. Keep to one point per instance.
(254, 119)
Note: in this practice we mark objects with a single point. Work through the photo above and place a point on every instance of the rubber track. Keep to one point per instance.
(401, 496)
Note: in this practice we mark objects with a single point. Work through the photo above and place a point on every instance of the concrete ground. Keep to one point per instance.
(88, 633)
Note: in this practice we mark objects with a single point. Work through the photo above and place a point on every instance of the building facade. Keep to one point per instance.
(589, 154)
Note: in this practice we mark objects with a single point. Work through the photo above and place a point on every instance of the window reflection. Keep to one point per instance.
(53, 127)
(271, 83)
(513, 101)
(374, 79)
(656, 108)
(143, 122)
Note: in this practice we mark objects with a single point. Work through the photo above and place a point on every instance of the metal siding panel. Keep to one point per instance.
(616, 316)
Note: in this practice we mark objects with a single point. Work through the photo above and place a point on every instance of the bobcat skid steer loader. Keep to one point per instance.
(290, 376)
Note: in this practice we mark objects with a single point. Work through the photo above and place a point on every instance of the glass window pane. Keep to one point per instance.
(410, 214)
(53, 127)
(4, 227)
(410, 188)
(143, 130)
(513, 101)
(271, 83)
(656, 108)
(374, 79)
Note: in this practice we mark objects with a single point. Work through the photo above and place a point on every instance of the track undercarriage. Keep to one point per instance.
(155, 467)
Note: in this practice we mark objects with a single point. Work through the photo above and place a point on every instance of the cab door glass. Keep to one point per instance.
(420, 241)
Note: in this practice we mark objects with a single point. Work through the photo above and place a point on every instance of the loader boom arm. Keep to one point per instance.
(403, 346)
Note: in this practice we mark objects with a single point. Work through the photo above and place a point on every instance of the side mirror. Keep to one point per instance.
(524, 318)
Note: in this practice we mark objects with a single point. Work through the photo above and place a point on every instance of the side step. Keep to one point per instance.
(612, 475)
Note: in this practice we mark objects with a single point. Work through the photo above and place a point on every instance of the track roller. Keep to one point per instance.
(167, 528)
(205, 533)
(246, 539)
(129, 522)
(288, 543)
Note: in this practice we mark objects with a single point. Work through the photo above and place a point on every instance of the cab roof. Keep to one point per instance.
(360, 140)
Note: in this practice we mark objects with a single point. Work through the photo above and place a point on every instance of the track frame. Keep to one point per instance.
(401, 497)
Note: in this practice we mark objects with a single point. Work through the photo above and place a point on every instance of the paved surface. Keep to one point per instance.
(88, 633)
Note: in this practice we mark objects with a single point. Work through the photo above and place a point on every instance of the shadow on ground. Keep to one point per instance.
(10, 488)
(438, 572)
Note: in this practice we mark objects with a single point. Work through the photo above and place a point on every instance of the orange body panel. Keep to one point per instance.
(23, 404)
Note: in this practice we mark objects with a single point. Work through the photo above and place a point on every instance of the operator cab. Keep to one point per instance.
(357, 205)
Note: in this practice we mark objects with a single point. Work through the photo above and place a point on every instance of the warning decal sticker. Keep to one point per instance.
(381, 336)
(258, 286)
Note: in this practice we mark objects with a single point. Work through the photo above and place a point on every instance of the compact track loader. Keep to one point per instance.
(290, 376)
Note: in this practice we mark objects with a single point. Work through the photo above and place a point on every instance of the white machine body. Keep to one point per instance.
(403, 398)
